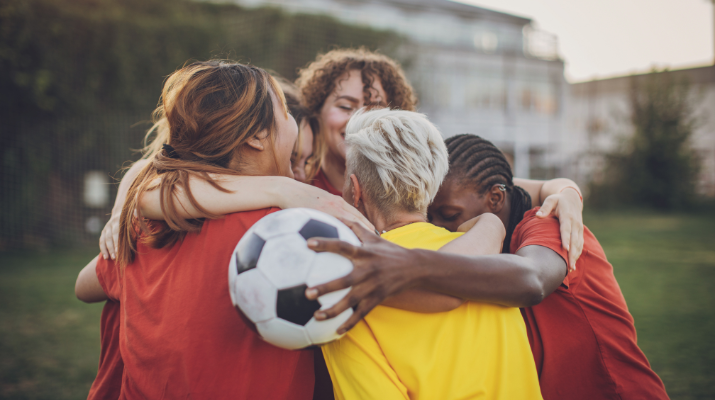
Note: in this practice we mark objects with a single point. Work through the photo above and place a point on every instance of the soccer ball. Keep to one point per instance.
(272, 267)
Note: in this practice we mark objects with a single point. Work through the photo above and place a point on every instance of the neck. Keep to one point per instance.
(395, 220)
(334, 170)
(253, 163)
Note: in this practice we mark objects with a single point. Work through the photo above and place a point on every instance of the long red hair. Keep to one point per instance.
(207, 112)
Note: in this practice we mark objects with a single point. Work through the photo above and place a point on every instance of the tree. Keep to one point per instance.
(656, 166)
(77, 75)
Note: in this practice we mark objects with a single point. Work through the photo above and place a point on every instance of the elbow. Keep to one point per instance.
(532, 291)
(83, 293)
(79, 293)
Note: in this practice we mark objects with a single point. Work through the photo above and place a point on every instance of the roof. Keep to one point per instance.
(461, 9)
(694, 76)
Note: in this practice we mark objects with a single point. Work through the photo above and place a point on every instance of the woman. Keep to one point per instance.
(302, 156)
(337, 84)
(581, 333)
(396, 161)
(586, 315)
(170, 278)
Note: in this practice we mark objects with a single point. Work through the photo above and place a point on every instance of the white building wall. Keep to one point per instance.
(472, 69)
(597, 120)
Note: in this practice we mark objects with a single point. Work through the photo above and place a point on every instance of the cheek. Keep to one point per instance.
(306, 147)
(334, 120)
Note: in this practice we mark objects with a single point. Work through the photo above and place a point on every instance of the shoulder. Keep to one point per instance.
(533, 230)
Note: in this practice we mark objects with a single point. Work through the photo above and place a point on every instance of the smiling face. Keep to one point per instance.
(347, 98)
(455, 204)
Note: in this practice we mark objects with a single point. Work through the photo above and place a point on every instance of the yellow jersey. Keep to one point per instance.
(476, 351)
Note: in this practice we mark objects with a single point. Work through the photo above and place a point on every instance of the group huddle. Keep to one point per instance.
(460, 289)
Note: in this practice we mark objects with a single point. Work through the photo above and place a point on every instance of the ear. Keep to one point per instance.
(357, 192)
(496, 198)
(256, 143)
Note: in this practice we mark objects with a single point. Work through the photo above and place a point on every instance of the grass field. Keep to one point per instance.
(49, 341)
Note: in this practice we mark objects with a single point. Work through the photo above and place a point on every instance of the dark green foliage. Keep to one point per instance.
(656, 166)
(77, 75)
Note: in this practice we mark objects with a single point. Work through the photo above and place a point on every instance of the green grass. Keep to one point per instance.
(49, 341)
(665, 266)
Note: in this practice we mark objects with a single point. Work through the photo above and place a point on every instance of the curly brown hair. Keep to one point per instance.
(317, 80)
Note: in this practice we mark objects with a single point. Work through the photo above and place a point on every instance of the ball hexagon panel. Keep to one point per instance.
(293, 306)
(255, 296)
(283, 334)
(286, 260)
(315, 228)
(320, 332)
(281, 223)
(248, 252)
(344, 233)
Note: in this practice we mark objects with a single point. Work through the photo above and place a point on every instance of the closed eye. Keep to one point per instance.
(450, 217)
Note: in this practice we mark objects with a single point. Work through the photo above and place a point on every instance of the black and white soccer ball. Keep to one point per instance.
(272, 267)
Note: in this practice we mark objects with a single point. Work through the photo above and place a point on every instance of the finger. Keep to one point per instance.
(115, 238)
(566, 235)
(359, 313)
(110, 245)
(548, 207)
(576, 248)
(363, 234)
(336, 246)
(102, 247)
(346, 281)
(354, 296)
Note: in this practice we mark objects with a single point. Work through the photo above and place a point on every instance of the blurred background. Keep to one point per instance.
(626, 108)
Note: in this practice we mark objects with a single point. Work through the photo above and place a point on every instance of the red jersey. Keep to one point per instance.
(180, 336)
(321, 181)
(582, 335)
(108, 384)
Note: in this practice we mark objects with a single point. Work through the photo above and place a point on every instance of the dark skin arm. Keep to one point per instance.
(382, 269)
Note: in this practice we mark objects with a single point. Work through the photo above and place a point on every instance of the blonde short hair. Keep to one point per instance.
(399, 158)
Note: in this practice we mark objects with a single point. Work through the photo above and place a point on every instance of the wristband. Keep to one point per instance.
(577, 192)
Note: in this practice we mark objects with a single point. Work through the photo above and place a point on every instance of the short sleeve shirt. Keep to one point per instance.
(582, 336)
(180, 336)
(476, 351)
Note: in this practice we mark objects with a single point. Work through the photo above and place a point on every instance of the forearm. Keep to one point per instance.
(503, 279)
(245, 193)
(483, 235)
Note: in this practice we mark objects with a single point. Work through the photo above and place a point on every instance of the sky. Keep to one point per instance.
(605, 38)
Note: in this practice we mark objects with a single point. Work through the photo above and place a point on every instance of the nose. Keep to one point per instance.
(299, 174)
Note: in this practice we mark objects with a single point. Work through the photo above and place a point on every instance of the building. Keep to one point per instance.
(597, 115)
(475, 71)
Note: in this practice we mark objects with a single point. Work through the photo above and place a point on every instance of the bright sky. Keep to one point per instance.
(603, 38)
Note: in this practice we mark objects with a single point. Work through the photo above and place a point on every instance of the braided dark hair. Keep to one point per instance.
(480, 163)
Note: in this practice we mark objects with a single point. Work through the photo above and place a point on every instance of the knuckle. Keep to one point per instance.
(353, 299)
